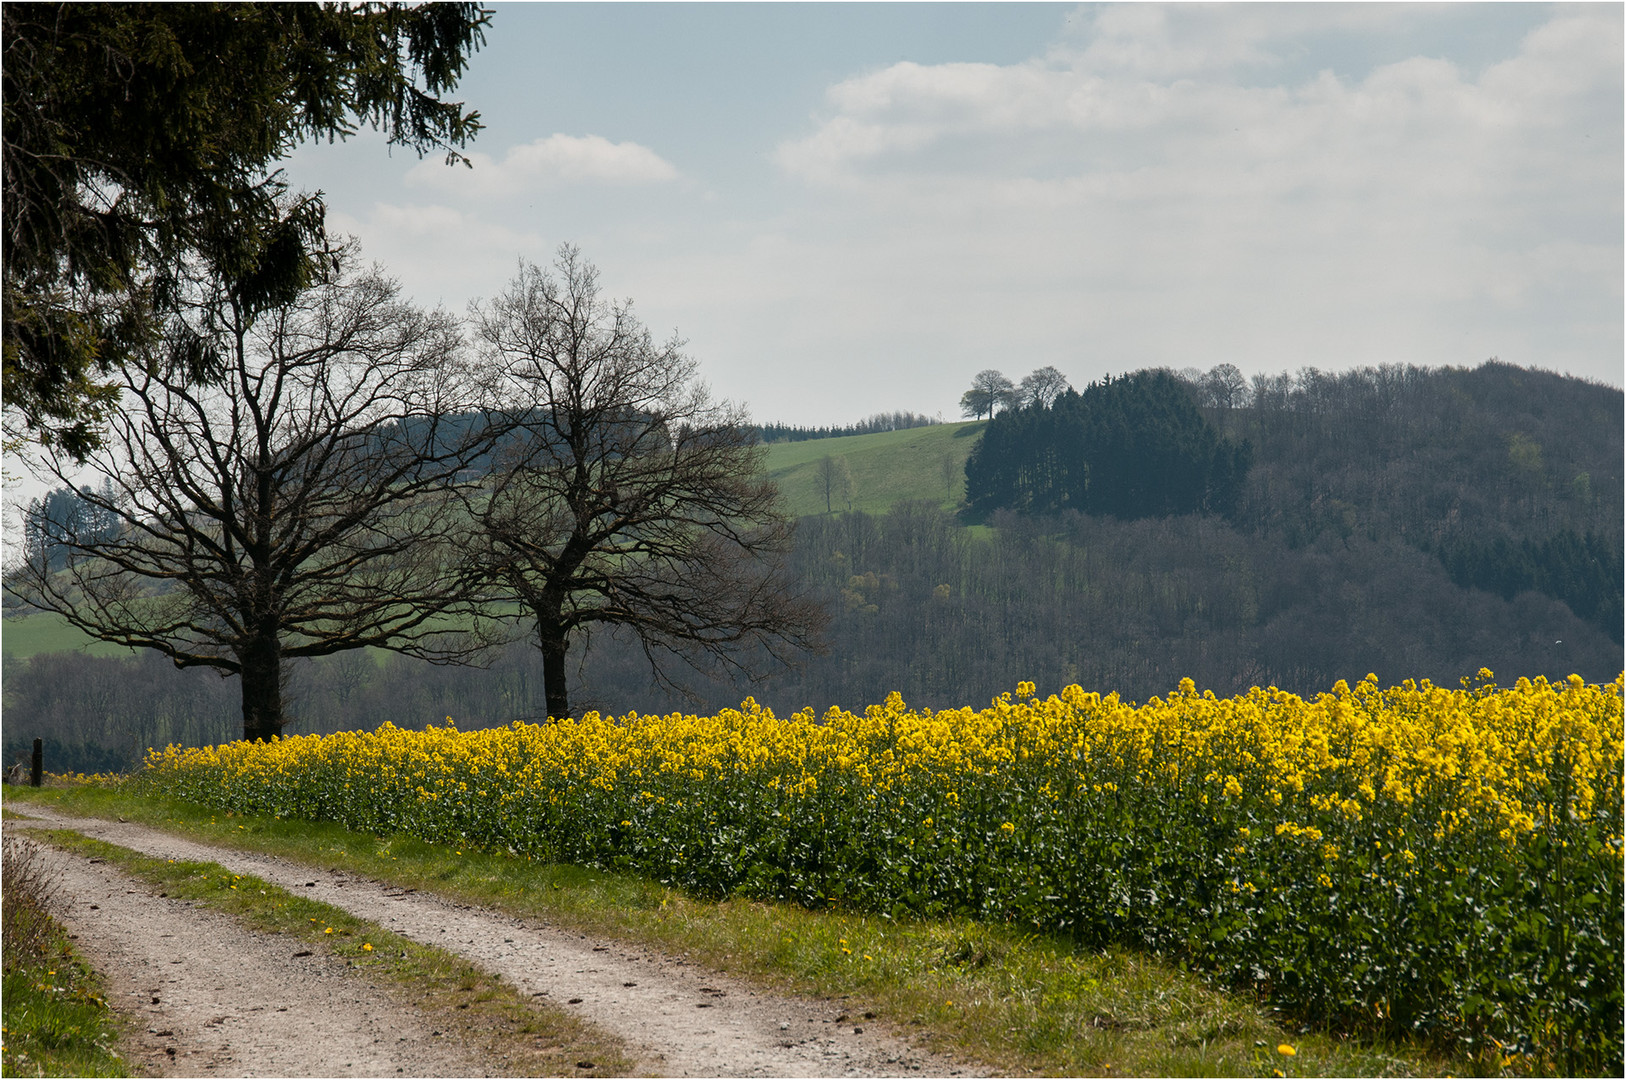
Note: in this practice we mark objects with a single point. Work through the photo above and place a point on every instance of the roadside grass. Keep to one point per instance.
(55, 1020)
(528, 1039)
(1018, 1003)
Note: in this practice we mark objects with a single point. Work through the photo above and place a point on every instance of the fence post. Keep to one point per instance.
(39, 763)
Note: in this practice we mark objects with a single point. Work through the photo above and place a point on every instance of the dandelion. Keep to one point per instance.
(1286, 1050)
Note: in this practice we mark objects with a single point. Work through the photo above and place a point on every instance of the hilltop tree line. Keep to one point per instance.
(870, 425)
(992, 392)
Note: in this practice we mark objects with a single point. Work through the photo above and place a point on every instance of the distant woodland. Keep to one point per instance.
(877, 422)
(1409, 522)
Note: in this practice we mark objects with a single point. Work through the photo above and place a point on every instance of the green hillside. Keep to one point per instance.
(24, 636)
(917, 463)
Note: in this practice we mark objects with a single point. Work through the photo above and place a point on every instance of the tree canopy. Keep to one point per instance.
(1042, 387)
(138, 137)
(990, 391)
(300, 506)
(1132, 447)
(625, 498)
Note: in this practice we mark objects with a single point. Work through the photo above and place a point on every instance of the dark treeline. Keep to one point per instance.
(881, 421)
(1582, 571)
(1407, 522)
(1132, 447)
(60, 511)
(1459, 463)
(100, 714)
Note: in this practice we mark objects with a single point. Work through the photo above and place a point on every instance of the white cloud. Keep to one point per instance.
(1167, 205)
(1179, 185)
(442, 255)
(555, 161)
(1165, 42)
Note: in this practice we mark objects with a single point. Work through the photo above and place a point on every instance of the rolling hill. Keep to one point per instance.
(925, 463)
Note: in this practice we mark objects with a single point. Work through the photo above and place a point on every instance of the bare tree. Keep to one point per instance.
(1042, 387)
(990, 391)
(298, 506)
(835, 480)
(1226, 386)
(627, 497)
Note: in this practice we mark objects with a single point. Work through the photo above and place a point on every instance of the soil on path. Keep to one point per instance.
(677, 1018)
(207, 997)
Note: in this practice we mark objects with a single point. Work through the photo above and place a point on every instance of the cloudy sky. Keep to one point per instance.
(846, 208)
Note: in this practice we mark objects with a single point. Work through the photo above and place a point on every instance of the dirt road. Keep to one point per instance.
(678, 1019)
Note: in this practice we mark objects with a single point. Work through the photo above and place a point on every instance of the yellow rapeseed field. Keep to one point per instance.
(1416, 858)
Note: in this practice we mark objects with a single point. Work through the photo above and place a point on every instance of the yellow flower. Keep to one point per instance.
(1286, 1050)
(366, 947)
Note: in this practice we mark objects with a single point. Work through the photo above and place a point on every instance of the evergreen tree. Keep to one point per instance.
(1132, 447)
(140, 137)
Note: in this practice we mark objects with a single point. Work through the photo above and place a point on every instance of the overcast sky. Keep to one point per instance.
(846, 208)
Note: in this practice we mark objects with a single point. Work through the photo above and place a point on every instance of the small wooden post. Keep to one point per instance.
(39, 763)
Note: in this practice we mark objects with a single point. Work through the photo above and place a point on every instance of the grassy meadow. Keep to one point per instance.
(925, 463)
(23, 636)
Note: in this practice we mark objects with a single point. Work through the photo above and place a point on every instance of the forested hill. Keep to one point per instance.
(1512, 477)
(1433, 457)
(1408, 522)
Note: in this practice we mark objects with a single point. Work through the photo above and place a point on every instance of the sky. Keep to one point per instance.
(853, 208)
(850, 208)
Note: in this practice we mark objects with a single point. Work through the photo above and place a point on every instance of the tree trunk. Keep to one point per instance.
(262, 689)
(554, 646)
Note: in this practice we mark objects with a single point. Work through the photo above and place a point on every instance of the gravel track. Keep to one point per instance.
(677, 1018)
(210, 998)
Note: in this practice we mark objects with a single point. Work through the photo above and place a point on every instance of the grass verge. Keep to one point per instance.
(55, 1020)
(1019, 1003)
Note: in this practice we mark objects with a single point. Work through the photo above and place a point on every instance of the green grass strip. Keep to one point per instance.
(1019, 1003)
(56, 1020)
